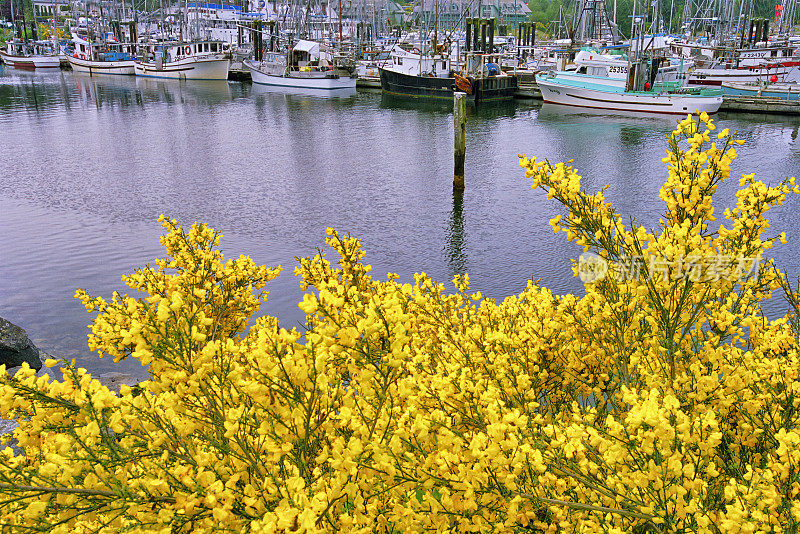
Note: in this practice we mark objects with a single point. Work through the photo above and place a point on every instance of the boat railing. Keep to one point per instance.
(700, 91)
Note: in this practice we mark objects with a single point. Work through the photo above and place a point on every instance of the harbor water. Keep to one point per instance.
(87, 164)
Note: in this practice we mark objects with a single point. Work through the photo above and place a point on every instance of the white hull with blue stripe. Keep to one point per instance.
(596, 93)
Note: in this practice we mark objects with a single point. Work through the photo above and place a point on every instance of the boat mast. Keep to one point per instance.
(671, 7)
(24, 24)
(435, 33)
(423, 40)
(163, 23)
(747, 11)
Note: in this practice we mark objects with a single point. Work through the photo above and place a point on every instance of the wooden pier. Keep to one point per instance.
(368, 82)
(238, 73)
(760, 104)
(526, 85)
(528, 90)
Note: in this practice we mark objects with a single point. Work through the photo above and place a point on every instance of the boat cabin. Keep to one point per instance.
(103, 50)
(412, 63)
(30, 48)
(309, 54)
(168, 52)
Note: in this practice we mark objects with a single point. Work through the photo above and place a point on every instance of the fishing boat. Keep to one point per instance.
(751, 59)
(103, 57)
(595, 92)
(413, 74)
(783, 91)
(724, 72)
(307, 65)
(31, 55)
(200, 60)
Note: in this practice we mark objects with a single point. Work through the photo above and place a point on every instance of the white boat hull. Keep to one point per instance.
(190, 68)
(717, 77)
(31, 62)
(641, 102)
(785, 91)
(120, 68)
(326, 83)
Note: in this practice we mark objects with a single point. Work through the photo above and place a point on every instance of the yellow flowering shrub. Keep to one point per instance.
(661, 401)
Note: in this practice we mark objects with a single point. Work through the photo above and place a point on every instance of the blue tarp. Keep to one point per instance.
(214, 6)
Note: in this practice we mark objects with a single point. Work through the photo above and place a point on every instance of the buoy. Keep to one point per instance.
(646, 86)
(773, 78)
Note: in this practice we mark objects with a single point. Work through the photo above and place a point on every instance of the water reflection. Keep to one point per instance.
(494, 110)
(299, 92)
(416, 104)
(35, 91)
(107, 91)
(483, 110)
(455, 235)
(631, 136)
(573, 114)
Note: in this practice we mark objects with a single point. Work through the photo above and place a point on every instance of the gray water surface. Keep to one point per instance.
(88, 164)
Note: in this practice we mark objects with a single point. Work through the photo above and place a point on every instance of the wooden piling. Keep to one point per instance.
(460, 148)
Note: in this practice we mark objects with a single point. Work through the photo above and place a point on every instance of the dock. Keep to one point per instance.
(238, 72)
(760, 104)
(368, 82)
(526, 86)
(528, 90)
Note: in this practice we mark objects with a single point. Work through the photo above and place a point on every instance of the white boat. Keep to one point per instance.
(206, 60)
(784, 54)
(308, 65)
(720, 73)
(102, 58)
(594, 92)
(31, 55)
(784, 91)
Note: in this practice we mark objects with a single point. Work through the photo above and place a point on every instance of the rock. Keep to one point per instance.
(114, 380)
(16, 348)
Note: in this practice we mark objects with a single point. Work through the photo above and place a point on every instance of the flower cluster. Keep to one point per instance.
(651, 404)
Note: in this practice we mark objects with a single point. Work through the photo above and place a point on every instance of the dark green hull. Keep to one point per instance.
(483, 89)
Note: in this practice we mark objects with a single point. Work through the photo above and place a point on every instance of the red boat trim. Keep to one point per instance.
(172, 69)
(614, 101)
(683, 113)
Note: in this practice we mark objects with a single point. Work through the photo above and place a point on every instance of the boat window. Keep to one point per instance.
(444, 64)
(399, 61)
(213, 47)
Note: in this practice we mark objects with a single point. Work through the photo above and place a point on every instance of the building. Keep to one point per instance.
(451, 13)
(46, 8)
